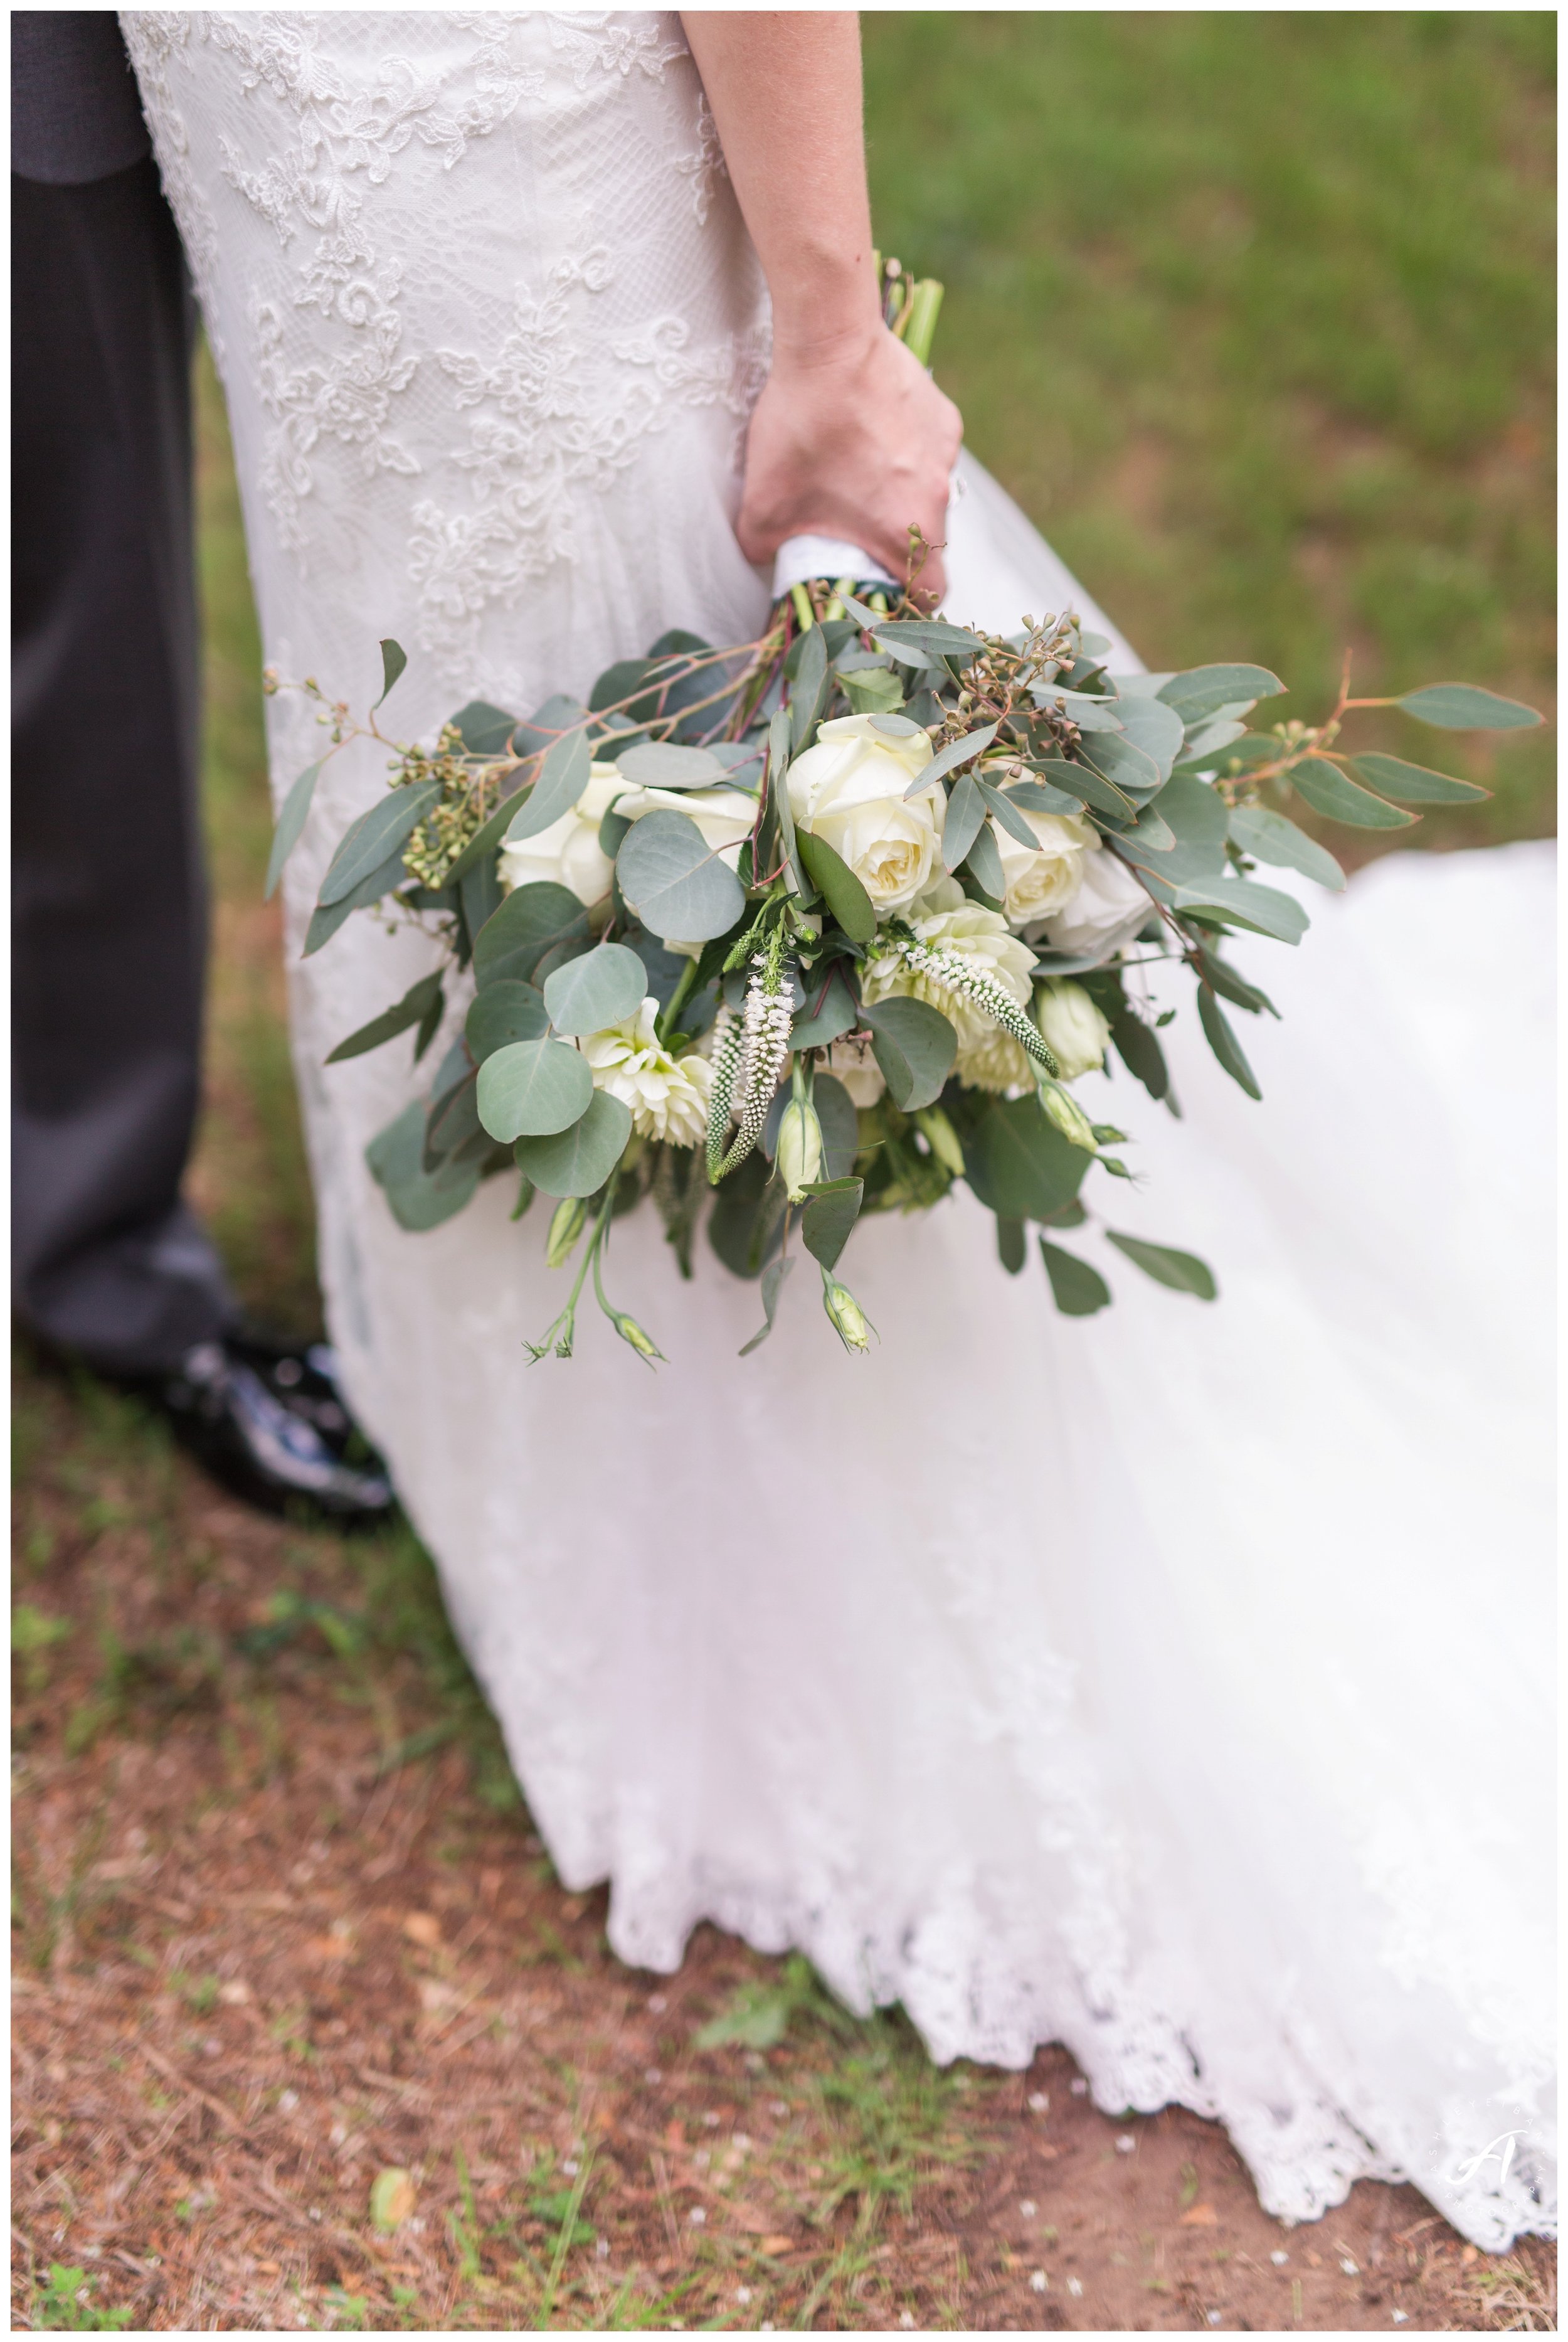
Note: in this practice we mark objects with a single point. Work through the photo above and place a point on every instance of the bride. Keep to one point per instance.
(1172, 1683)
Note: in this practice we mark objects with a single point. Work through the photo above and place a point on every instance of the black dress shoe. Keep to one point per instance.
(266, 1419)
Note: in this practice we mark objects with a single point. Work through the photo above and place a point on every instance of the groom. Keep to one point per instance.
(109, 1264)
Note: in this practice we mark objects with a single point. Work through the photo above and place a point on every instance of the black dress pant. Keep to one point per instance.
(110, 904)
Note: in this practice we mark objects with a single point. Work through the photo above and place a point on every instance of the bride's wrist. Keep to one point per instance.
(825, 317)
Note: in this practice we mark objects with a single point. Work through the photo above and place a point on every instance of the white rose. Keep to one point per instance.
(569, 852)
(852, 1062)
(1107, 911)
(668, 1095)
(1046, 878)
(849, 791)
(1072, 1028)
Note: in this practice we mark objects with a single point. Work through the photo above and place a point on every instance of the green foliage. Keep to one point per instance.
(65, 2301)
(1254, 313)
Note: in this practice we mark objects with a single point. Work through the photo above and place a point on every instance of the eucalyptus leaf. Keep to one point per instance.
(842, 891)
(896, 726)
(412, 1009)
(773, 1277)
(562, 777)
(1326, 789)
(965, 814)
(1154, 727)
(664, 765)
(1183, 1272)
(503, 1014)
(375, 837)
(779, 799)
(1414, 784)
(604, 987)
(1039, 796)
(830, 1011)
(933, 638)
(291, 821)
(1086, 785)
(1223, 1043)
(1203, 691)
(485, 841)
(1077, 1289)
(482, 893)
(554, 717)
(674, 880)
(531, 1089)
(1008, 814)
(532, 919)
(484, 730)
(578, 1160)
(946, 760)
(835, 1111)
(1465, 707)
(394, 660)
(831, 1208)
(915, 1046)
(1270, 837)
(452, 1120)
(418, 1201)
(983, 863)
(1012, 1245)
(1019, 1164)
(1123, 762)
(326, 918)
(1138, 1046)
(1267, 910)
(808, 693)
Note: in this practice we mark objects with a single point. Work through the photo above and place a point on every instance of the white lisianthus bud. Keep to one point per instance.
(1072, 1028)
(1068, 1116)
(566, 1225)
(629, 1331)
(942, 1138)
(799, 1150)
(848, 1319)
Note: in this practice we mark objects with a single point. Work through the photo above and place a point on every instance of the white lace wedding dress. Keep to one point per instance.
(1172, 1683)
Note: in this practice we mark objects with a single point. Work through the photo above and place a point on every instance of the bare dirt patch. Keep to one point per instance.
(283, 1927)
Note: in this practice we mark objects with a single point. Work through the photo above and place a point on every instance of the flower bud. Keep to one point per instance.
(942, 1138)
(1068, 1116)
(848, 1320)
(565, 1227)
(1072, 1027)
(629, 1331)
(799, 1148)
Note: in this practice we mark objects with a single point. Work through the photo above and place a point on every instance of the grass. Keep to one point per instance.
(1252, 312)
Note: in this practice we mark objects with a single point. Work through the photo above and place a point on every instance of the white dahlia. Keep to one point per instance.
(668, 1095)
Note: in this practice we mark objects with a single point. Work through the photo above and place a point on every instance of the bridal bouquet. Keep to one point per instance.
(825, 923)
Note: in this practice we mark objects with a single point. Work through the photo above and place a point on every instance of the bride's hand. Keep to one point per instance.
(852, 440)
(851, 437)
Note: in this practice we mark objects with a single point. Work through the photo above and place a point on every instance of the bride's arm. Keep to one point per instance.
(851, 437)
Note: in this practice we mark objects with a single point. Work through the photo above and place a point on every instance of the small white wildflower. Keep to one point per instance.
(1028, 2208)
(696, 2217)
(1039, 2282)
(1080, 2089)
(1279, 2259)
(1350, 2269)
(1075, 2286)
(1126, 2146)
(1039, 2104)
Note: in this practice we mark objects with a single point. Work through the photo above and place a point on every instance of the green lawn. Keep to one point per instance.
(1254, 314)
